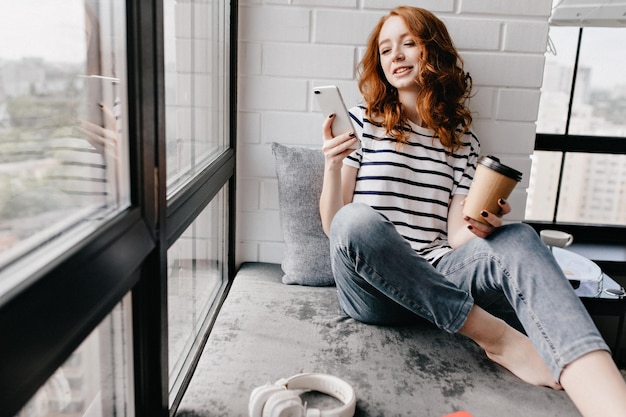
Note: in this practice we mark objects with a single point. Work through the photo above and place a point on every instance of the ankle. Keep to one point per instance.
(488, 331)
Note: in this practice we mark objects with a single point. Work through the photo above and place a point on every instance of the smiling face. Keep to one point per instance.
(399, 54)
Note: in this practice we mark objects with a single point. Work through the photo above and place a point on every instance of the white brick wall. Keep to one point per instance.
(289, 46)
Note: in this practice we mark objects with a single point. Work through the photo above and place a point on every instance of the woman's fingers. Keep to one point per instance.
(104, 139)
(327, 127)
(337, 148)
(108, 117)
(478, 228)
(504, 206)
(336, 145)
(494, 221)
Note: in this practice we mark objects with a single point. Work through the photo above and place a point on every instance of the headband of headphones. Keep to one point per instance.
(261, 398)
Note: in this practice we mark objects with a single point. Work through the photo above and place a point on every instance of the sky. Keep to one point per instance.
(51, 29)
(603, 49)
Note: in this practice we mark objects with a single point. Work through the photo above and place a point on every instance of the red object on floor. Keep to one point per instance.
(458, 414)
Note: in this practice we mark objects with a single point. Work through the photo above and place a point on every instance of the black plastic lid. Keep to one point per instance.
(494, 163)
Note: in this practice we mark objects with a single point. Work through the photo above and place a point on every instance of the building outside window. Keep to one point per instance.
(579, 165)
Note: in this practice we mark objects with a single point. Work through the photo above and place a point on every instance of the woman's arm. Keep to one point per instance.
(458, 231)
(337, 191)
(461, 228)
(339, 180)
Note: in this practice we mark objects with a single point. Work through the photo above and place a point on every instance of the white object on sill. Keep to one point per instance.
(584, 273)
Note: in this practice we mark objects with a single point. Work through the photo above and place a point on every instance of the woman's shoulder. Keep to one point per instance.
(368, 127)
(469, 148)
(358, 112)
(470, 139)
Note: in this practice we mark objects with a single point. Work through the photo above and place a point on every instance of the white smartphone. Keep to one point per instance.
(330, 101)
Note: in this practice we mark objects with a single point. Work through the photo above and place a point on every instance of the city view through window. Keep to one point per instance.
(61, 97)
(592, 186)
(63, 173)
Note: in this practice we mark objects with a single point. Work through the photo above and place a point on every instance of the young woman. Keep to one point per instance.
(401, 248)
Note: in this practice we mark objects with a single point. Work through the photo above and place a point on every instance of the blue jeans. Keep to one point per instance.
(512, 274)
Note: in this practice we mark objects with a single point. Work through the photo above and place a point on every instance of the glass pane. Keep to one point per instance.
(63, 149)
(600, 100)
(196, 82)
(197, 274)
(96, 380)
(543, 185)
(557, 80)
(593, 189)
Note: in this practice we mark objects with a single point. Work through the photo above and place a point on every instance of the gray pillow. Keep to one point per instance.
(300, 173)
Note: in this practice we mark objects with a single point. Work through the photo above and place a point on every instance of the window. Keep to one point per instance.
(96, 380)
(63, 137)
(95, 219)
(196, 278)
(196, 86)
(579, 164)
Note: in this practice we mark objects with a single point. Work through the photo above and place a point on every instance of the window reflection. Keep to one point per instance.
(97, 378)
(63, 157)
(196, 81)
(196, 277)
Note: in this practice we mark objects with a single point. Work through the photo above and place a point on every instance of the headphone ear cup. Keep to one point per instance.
(259, 397)
(284, 404)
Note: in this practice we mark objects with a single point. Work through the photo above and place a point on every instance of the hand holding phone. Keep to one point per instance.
(330, 101)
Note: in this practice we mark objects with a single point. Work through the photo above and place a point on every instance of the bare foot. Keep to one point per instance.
(508, 347)
(517, 354)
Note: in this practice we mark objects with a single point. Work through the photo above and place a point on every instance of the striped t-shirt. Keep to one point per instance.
(412, 185)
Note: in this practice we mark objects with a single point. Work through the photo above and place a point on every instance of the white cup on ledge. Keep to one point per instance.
(556, 238)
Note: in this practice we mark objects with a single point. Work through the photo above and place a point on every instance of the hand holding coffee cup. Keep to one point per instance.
(492, 181)
(556, 238)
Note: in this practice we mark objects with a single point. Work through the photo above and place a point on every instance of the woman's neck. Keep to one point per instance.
(408, 99)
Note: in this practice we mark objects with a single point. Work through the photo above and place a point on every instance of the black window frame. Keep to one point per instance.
(566, 142)
(46, 321)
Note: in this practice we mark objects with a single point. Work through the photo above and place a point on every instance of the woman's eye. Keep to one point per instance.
(384, 51)
(411, 43)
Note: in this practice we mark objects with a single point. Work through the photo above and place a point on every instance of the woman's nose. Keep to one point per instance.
(399, 56)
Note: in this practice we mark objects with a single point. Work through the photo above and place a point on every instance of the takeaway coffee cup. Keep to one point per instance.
(492, 181)
(556, 238)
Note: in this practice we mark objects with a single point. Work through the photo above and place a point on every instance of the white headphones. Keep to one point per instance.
(279, 399)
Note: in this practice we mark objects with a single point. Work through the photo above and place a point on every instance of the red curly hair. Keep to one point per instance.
(444, 84)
